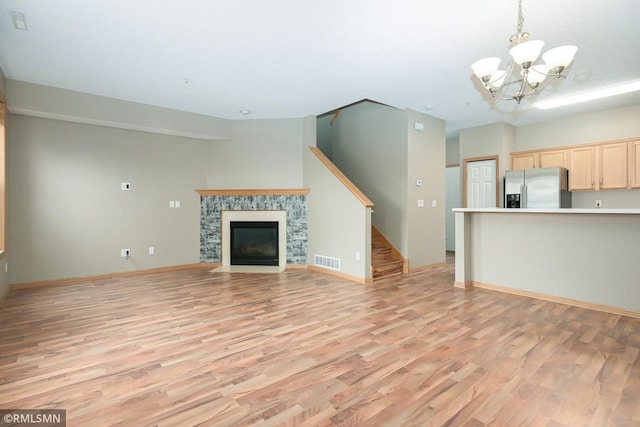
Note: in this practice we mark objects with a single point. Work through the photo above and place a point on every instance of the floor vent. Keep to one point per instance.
(327, 262)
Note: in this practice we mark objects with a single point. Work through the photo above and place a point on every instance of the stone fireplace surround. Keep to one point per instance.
(217, 207)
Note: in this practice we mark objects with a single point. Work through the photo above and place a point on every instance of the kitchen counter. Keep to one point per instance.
(583, 257)
(553, 211)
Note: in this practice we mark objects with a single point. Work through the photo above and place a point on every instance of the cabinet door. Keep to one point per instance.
(524, 161)
(549, 159)
(613, 164)
(634, 164)
(582, 168)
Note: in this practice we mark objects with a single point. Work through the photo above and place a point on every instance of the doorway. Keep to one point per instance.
(481, 184)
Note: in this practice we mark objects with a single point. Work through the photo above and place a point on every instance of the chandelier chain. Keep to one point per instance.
(520, 16)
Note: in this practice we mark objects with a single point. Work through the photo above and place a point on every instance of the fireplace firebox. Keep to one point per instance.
(254, 243)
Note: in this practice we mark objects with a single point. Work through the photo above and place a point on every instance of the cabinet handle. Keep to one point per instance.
(593, 183)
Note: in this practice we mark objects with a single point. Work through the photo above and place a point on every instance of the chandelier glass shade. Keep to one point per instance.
(523, 70)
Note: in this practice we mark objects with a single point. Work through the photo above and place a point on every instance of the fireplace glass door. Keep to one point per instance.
(254, 243)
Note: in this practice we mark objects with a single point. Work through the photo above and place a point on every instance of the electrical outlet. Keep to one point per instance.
(125, 186)
(125, 253)
(598, 203)
(152, 250)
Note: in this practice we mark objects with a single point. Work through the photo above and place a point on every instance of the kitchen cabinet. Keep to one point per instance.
(524, 161)
(634, 164)
(596, 166)
(552, 158)
(539, 159)
(612, 166)
(582, 168)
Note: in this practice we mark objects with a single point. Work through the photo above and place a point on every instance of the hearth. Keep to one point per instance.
(254, 243)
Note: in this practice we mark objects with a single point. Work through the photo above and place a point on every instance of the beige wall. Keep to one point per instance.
(603, 126)
(585, 257)
(369, 145)
(4, 276)
(377, 147)
(3, 83)
(69, 216)
(426, 158)
(453, 151)
(60, 104)
(492, 140)
(339, 224)
(258, 154)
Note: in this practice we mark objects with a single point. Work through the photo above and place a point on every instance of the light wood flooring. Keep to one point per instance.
(188, 347)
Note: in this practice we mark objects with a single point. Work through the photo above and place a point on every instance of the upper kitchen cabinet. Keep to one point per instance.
(582, 168)
(539, 159)
(634, 164)
(596, 166)
(553, 158)
(612, 170)
(523, 161)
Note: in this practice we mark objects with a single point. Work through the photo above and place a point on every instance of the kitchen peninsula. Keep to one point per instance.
(582, 257)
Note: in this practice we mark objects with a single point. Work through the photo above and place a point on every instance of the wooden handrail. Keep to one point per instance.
(342, 178)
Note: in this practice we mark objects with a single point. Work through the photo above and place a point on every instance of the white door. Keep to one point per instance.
(453, 200)
(481, 184)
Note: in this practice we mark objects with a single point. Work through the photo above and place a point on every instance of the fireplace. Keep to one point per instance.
(254, 243)
(266, 224)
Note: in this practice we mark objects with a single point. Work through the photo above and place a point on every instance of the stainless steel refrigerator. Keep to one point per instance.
(537, 188)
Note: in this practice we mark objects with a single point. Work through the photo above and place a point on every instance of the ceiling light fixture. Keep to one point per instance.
(590, 96)
(529, 75)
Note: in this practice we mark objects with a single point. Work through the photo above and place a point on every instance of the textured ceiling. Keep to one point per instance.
(293, 58)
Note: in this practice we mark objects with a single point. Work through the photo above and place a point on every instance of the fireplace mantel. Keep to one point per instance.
(255, 192)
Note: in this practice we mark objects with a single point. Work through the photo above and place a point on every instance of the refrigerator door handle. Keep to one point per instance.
(523, 191)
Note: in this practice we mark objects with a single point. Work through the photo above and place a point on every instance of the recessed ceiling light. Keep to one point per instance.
(19, 21)
(245, 112)
(590, 96)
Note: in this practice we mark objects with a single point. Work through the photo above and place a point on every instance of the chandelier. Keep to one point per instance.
(529, 76)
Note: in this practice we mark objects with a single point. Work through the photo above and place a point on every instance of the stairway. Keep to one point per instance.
(385, 259)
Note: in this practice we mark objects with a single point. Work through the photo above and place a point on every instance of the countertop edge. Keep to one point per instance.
(569, 211)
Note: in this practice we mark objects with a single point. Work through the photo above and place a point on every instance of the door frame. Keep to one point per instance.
(464, 176)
